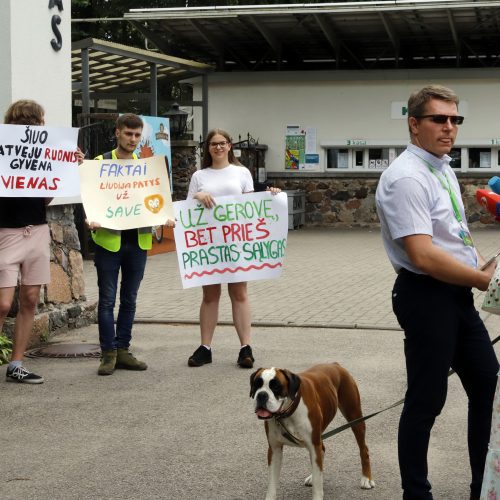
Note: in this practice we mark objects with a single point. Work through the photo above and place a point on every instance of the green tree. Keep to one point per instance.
(113, 31)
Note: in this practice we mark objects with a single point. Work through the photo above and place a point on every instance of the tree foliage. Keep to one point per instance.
(124, 32)
(113, 31)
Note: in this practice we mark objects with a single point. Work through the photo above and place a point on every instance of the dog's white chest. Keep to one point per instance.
(293, 431)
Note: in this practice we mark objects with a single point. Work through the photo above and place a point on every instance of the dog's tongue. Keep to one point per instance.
(263, 413)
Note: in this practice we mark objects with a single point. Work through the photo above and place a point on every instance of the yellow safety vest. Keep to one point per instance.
(111, 239)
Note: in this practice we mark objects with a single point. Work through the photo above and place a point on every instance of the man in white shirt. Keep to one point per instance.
(427, 240)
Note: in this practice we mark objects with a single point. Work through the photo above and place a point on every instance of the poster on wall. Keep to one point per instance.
(311, 156)
(300, 148)
(295, 147)
(155, 141)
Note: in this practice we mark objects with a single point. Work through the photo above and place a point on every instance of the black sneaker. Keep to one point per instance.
(200, 357)
(23, 376)
(245, 357)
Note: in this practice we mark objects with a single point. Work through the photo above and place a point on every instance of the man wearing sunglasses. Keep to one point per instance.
(428, 242)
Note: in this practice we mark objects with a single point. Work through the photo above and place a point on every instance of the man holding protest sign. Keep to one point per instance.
(120, 250)
(24, 249)
(222, 175)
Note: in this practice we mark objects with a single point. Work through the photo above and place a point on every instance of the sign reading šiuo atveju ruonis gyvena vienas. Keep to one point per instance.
(243, 238)
(38, 161)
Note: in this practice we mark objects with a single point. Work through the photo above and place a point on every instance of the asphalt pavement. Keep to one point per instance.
(174, 432)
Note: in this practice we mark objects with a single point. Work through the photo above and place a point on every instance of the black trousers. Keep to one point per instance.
(442, 330)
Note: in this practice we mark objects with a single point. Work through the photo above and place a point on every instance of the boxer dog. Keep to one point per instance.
(297, 408)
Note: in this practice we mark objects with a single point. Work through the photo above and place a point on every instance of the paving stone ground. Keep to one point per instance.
(331, 278)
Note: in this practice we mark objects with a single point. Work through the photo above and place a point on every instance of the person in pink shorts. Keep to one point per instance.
(24, 251)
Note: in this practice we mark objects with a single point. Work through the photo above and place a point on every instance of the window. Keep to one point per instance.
(479, 157)
(378, 157)
(337, 158)
(456, 158)
(358, 158)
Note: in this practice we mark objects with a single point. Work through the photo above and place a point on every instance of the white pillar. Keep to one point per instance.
(30, 65)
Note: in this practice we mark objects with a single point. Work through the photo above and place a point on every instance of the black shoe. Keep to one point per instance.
(245, 357)
(23, 376)
(200, 357)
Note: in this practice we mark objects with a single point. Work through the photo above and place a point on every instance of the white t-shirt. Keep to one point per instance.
(411, 200)
(230, 180)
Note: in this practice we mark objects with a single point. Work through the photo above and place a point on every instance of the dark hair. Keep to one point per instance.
(419, 98)
(129, 120)
(207, 157)
(24, 112)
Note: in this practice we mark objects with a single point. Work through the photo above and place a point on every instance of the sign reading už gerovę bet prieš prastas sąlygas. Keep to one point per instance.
(243, 238)
(38, 161)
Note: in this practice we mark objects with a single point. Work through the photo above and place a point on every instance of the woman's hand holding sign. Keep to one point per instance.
(205, 198)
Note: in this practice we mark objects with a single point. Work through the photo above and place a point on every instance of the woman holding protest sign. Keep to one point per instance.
(24, 251)
(222, 174)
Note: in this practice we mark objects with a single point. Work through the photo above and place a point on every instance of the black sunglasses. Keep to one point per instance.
(442, 119)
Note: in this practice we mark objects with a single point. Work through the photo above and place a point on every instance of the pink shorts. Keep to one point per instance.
(25, 250)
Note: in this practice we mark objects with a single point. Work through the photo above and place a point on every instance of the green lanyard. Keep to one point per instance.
(447, 187)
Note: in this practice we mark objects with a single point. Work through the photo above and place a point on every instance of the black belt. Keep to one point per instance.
(403, 272)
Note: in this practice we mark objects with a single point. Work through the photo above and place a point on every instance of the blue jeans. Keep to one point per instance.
(132, 261)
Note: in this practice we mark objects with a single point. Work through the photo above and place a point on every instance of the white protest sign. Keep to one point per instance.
(38, 161)
(242, 238)
(126, 194)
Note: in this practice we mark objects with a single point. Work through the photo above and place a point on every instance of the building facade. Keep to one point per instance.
(351, 126)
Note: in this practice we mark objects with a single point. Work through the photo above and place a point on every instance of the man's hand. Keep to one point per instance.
(92, 225)
(489, 271)
(79, 156)
(205, 198)
(170, 223)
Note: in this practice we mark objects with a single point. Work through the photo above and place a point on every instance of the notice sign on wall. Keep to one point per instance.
(38, 161)
(126, 194)
(300, 148)
(295, 147)
(242, 238)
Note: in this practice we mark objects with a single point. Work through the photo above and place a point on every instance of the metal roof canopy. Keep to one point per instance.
(341, 35)
(102, 70)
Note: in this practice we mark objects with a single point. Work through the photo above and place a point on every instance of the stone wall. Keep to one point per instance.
(62, 302)
(350, 201)
(183, 167)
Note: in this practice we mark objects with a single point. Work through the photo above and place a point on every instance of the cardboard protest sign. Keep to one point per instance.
(38, 161)
(242, 238)
(126, 194)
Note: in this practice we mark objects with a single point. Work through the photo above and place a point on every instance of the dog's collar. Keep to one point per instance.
(287, 412)
(290, 409)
